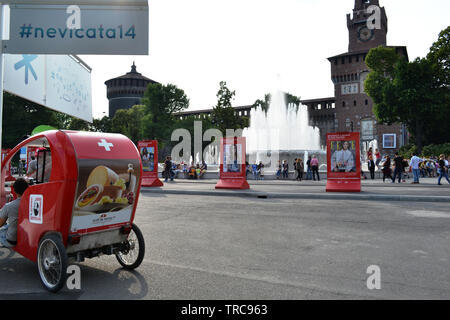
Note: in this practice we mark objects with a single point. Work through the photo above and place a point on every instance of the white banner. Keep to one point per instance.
(58, 82)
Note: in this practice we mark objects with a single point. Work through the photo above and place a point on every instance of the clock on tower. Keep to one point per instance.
(364, 34)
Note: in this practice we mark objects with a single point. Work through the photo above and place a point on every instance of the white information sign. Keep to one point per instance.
(84, 29)
(56, 81)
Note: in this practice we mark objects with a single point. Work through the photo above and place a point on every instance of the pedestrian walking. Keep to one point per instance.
(398, 168)
(443, 169)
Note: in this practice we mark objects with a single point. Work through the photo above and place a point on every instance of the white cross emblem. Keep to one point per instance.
(105, 144)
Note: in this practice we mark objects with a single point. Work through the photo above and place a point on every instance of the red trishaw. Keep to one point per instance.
(80, 203)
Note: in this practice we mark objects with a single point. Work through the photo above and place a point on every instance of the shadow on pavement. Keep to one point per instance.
(20, 281)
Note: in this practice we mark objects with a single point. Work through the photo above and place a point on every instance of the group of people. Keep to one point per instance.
(398, 167)
(312, 169)
(193, 171)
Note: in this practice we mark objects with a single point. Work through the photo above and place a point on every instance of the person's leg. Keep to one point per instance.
(446, 177)
(316, 169)
(417, 175)
(3, 242)
(395, 175)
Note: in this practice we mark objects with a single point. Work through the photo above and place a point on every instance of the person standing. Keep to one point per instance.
(295, 169)
(308, 169)
(371, 166)
(278, 174)
(443, 169)
(168, 169)
(315, 168)
(414, 164)
(32, 167)
(261, 170)
(21, 168)
(398, 170)
(285, 169)
(369, 152)
(299, 167)
(378, 158)
(387, 172)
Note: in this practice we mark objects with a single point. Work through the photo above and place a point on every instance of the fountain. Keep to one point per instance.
(283, 133)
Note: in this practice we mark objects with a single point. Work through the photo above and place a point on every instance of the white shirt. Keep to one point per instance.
(414, 163)
(344, 160)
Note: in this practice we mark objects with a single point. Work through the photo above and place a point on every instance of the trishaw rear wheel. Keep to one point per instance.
(134, 249)
(52, 262)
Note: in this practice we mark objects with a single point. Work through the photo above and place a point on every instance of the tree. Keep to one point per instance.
(265, 103)
(21, 116)
(161, 102)
(130, 122)
(102, 125)
(407, 92)
(224, 116)
(439, 56)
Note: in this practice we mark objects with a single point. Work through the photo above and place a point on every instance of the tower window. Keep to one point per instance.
(343, 60)
(343, 104)
(354, 103)
(366, 102)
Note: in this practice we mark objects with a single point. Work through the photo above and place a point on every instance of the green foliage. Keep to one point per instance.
(129, 122)
(224, 116)
(414, 93)
(161, 102)
(439, 55)
(407, 151)
(436, 150)
(20, 117)
(102, 125)
(265, 103)
(432, 150)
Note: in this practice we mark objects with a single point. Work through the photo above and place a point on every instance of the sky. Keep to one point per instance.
(257, 46)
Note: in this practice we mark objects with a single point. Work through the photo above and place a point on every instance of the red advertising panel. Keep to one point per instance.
(232, 164)
(8, 176)
(343, 162)
(149, 156)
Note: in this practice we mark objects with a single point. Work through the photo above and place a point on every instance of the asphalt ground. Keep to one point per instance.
(215, 247)
(426, 191)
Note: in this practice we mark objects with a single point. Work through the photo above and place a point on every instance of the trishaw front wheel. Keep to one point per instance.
(52, 262)
(133, 249)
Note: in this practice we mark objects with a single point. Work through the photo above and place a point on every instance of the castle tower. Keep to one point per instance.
(353, 108)
(367, 28)
(126, 91)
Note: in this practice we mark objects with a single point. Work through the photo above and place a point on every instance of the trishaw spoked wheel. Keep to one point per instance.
(134, 249)
(52, 262)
